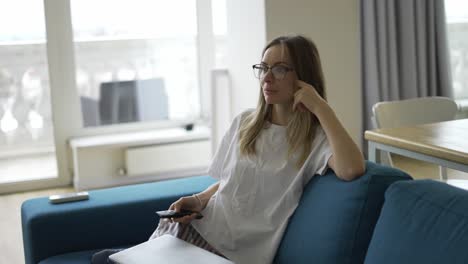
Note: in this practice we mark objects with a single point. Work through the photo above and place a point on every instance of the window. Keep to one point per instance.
(136, 61)
(94, 50)
(457, 32)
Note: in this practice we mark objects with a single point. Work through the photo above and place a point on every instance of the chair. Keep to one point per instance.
(133, 101)
(413, 112)
(90, 111)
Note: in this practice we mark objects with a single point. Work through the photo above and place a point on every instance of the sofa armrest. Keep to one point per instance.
(111, 217)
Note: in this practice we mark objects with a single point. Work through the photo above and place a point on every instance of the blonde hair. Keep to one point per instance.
(302, 125)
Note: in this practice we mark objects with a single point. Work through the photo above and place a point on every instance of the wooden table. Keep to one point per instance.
(444, 143)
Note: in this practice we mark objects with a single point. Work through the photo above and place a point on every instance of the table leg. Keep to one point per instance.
(443, 173)
(374, 153)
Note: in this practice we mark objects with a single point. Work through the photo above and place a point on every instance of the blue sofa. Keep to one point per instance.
(336, 221)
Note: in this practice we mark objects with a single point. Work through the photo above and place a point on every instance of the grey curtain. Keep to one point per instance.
(404, 52)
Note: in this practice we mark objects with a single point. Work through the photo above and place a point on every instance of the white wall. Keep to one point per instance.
(334, 27)
(246, 39)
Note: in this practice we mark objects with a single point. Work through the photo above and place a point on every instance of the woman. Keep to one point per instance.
(267, 157)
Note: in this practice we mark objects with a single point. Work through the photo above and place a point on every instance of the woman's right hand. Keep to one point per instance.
(191, 203)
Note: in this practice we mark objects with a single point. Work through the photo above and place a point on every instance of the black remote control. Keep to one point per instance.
(174, 214)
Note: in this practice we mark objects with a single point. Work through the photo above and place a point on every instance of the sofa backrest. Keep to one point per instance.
(422, 221)
(335, 219)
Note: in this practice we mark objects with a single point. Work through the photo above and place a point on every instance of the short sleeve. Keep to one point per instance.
(319, 156)
(216, 166)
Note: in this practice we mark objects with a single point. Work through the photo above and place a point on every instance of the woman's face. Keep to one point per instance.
(278, 84)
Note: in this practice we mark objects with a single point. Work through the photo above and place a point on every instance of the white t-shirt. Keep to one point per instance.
(246, 218)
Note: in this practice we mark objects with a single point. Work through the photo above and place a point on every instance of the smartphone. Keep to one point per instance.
(174, 214)
(68, 197)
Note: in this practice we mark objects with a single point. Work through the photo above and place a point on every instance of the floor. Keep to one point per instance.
(11, 242)
(423, 170)
(11, 245)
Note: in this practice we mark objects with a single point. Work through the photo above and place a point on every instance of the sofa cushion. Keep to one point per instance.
(335, 219)
(422, 221)
(81, 257)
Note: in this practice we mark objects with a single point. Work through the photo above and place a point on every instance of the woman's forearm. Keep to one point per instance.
(347, 158)
(206, 194)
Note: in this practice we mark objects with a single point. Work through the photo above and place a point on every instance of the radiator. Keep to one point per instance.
(167, 158)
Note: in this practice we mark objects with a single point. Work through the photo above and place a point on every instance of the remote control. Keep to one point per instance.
(174, 214)
(68, 197)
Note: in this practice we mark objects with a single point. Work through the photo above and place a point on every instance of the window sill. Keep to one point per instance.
(141, 138)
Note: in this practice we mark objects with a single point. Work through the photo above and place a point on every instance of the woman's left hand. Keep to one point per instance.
(307, 98)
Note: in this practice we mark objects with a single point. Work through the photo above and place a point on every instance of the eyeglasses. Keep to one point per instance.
(278, 70)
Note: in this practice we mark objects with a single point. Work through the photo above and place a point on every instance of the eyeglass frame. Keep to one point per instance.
(270, 68)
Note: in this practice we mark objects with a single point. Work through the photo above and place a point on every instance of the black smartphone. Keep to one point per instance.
(174, 214)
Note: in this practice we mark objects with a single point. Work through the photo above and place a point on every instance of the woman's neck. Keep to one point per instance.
(280, 114)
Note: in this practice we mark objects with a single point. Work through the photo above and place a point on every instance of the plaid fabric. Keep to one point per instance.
(184, 232)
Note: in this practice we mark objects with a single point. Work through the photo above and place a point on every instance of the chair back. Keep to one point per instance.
(414, 111)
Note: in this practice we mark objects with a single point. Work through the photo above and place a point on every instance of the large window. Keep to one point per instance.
(114, 66)
(26, 129)
(457, 31)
